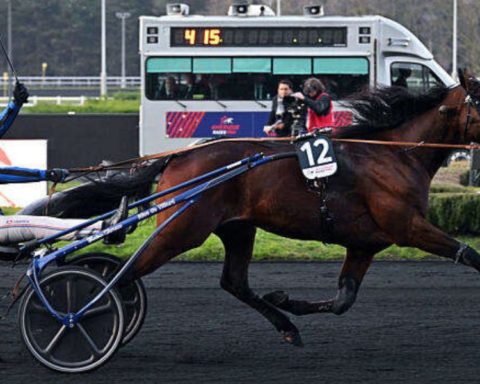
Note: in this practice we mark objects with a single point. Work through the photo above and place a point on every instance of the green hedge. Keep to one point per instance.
(449, 188)
(455, 213)
(464, 178)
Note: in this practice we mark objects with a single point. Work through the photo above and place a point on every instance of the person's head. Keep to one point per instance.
(189, 78)
(285, 87)
(405, 72)
(170, 84)
(312, 87)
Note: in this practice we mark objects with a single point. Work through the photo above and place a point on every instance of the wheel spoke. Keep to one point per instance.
(37, 307)
(90, 343)
(70, 292)
(58, 336)
(40, 308)
(105, 270)
(101, 309)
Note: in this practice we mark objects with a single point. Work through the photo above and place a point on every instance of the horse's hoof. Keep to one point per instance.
(293, 338)
(276, 298)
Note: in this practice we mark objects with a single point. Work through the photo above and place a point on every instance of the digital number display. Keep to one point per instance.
(258, 37)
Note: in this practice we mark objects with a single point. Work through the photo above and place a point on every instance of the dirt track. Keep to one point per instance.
(413, 323)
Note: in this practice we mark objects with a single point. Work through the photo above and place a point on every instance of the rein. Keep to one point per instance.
(139, 160)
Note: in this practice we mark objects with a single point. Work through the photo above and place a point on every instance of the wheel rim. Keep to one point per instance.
(135, 303)
(91, 342)
(133, 295)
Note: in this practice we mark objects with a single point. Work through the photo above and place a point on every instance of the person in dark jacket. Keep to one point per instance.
(319, 103)
(280, 122)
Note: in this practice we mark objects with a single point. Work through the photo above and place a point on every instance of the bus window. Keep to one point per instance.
(416, 77)
(252, 65)
(342, 76)
(245, 78)
(164, 77)
(292, 66)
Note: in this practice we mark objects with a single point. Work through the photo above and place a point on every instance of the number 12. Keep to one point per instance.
(322, 159)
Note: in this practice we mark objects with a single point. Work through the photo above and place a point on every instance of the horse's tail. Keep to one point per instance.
(98, 196)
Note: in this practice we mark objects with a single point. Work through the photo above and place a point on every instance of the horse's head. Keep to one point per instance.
(469, 114)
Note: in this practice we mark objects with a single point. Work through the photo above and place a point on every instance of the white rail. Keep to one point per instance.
(74, 81)
(57, 100)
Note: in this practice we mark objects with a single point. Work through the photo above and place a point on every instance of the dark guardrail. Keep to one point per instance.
(80, 140)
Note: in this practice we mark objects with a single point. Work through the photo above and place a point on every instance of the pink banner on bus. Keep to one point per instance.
(229, 124)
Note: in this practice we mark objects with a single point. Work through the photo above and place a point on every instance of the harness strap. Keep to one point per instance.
(156, 156)
(319, 186)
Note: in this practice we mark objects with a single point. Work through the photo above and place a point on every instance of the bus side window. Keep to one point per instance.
(416, 77)
(431, 80)
(195, 87)
(154, 85)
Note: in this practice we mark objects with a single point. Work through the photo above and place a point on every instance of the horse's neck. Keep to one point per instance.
(430, 127)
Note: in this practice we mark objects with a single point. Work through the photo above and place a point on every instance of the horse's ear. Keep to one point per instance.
(461, 77)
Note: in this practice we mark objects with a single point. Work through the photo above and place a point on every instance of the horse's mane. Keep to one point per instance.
(381, 109)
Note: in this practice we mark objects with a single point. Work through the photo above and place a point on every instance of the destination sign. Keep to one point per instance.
(258, 37)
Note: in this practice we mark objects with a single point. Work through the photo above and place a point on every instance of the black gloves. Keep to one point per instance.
(56, 175)
(20, 94)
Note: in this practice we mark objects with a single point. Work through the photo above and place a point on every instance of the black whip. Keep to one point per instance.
(8, 60)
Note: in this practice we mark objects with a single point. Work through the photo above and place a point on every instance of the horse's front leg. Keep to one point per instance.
(427, 237)
(354, 269)
(238, 239)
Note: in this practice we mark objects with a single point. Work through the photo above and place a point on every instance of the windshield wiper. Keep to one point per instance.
(221, 104)
(261, 104)
(181, 104)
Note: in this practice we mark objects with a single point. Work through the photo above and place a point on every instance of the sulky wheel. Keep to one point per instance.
(91, 341)
(133, 294)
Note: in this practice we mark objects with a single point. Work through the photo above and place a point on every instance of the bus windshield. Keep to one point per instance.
(243, 78)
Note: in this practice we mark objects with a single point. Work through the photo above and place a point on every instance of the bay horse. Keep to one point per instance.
(378, 197)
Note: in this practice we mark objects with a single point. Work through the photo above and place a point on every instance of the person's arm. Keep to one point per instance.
(321, 106)
(273, 117)
(30, 175)
(7, 117)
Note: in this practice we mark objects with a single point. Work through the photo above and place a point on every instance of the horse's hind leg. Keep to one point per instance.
(238, 239)
(354, 268)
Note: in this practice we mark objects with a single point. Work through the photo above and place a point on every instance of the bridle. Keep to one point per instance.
(471, 101)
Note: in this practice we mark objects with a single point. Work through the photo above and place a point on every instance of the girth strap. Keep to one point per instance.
(319, 187)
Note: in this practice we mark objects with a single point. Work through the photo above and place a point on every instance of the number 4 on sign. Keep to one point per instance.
(190, 36)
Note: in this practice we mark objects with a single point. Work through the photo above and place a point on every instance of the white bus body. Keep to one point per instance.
(233, 64)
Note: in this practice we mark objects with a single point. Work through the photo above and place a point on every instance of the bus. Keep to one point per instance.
(210, 76)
